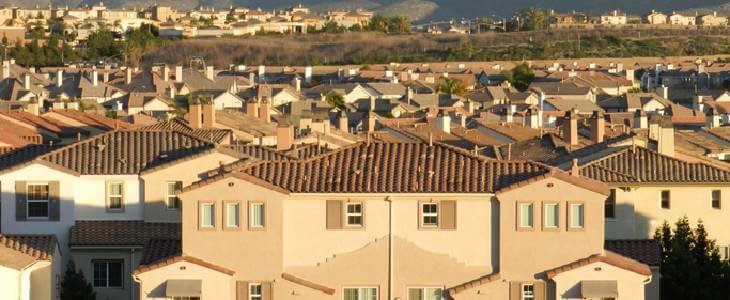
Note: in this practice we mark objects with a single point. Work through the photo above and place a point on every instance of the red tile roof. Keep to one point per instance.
(645, 251)
(181, 258)
(121, 233)
(309, 284)
(18, 251)
(610, 258)
(473, 283)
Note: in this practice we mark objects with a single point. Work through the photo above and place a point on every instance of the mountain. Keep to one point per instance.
(429, 9)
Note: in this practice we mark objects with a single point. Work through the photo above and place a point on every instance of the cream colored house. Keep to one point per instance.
(386, 221)
(678, 19)
(614, 18)
(656, 17)
(30, 266)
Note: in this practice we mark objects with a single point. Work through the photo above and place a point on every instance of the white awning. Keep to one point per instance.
(598, 289)
(183, 288)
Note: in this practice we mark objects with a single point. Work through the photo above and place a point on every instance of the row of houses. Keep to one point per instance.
(617, 17)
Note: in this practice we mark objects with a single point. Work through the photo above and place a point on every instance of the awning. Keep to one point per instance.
(598, 289)
(183, 288)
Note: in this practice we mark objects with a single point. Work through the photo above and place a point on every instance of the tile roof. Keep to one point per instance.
(472, 283)
(18, 251)
(639, 164)
(303, 282)
(180, 258)
(610, 258)
(216, 135)
(121, 233)
(645, 251)
(260, 152)
(394, 168)
(159, 249)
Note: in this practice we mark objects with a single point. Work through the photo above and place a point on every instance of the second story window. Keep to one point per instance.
(353, 215)
(577, 215)
(257, 215)
(171, 199)
(232, 215)
(429, 214)
(37, 194)
(716, 199)
(528, 291)
(551, 215)
(207, 215)
(610, 205)
(525, 215)
(666, 199)
(115, 195)
(724, 252)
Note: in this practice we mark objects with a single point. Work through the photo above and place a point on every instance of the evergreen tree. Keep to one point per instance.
(74, 286)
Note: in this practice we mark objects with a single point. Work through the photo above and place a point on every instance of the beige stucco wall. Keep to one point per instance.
(639, 212)
(129, 290)
(189, 171)
(10, 282)
(525, 255)
(215, 285)
(496, 290)
(42, 282)
(630, 285)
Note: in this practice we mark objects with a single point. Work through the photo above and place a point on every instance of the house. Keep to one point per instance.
(656, 18)
(631, 102)
(711, 20)
(30, 266)
(409, 223)
(614, 18)
(679, 19)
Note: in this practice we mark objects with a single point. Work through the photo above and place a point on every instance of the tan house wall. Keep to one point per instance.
(525, 255)
(215, 285)
(11, 282)
(129, 290)
(630, 285)
(42, 282)
(155, 184)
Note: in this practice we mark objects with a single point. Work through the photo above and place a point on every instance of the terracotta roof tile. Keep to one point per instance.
(18, 251)
(644, 251)
(473, 283)
(159, 249)
(180, 258)
(610, 258)
(309, 284)
(216, 135)
(111, 233)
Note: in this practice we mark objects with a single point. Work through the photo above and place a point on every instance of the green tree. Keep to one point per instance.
(74, 286)
(332, 27)
(399, 24)
(451, 86)
(334, 99)
(378, 23)
(101, 44)
(520, 76)
(532, 19)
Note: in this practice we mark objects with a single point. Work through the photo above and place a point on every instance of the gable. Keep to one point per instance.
(556, 186)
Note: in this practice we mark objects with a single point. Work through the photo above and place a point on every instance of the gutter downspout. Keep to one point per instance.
(131, 268)
(390, 247)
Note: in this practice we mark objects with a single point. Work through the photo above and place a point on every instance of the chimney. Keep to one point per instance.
(630, 74)
(105, 76)
(178, 73)
(698, 103)
(171, 89)
(598, 127)
(208, 115)
(533, 118)
(509, 113)
(372, 104)
(128, 76)
(574, 169)
(443, 122)
(284, 136)
(713, 119)
(194, 116)
(252, 78)
(665, 141)
(59, 77)
(308, 74)
(33, 107)
(262, 71)
(342, 122)
(165, 73)
(26, 81)
(663, 91)
(409, 95)
(298, 84)
(252, 108)
(640, 119)
(95, 77)
(341, 74)
(570, 127)
(264, 112)
(371, 122)
(210, 73)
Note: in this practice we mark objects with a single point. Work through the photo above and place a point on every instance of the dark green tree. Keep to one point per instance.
(520, 76)
(451, 86)
(74, 286)
(334, 99)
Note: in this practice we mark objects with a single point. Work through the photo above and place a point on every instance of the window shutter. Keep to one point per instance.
(54, 201)
(334, 214)
(540, 290)
(241, 290)
(266, 290)
(448, 214)
(514, 291)
(20, 201)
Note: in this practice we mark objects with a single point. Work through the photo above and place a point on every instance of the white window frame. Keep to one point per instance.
(251, 296)
(252, 210)
(724, 251)
(203, 208)
(109, 195)
(424, 215)
(107, 262)
(522, 291)
(172, 196)
(359, 288)
(583, 214)
(238, 214)
(531, 216)
(28, 200)
(556, 210)
(348, 214)
(422, 288)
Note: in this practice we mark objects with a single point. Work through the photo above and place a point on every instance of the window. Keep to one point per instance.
(207, 215)
(528, 291)
(232, 217)
(37, 200)
(716, 199)
(360, 294)
(107, 273)
(665, 199)
(353, 215)
(424, 293)
(115, 195)
(258, 215)
(551, 215)
(724, 252)
(577, 215)
(255, 291)
(429, 214)
(609, 208)
(525, 215)
(171, 199)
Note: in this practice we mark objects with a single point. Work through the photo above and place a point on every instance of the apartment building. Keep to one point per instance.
(377, 220)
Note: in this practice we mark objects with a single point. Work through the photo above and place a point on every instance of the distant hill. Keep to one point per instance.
(429, 9)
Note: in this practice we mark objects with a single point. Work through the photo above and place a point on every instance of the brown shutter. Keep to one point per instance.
(266, 290)
(514, 290)
(54, 201)
(334, 214)
(241, 290)
(448, 214)
(540, 293)
(20, 201)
